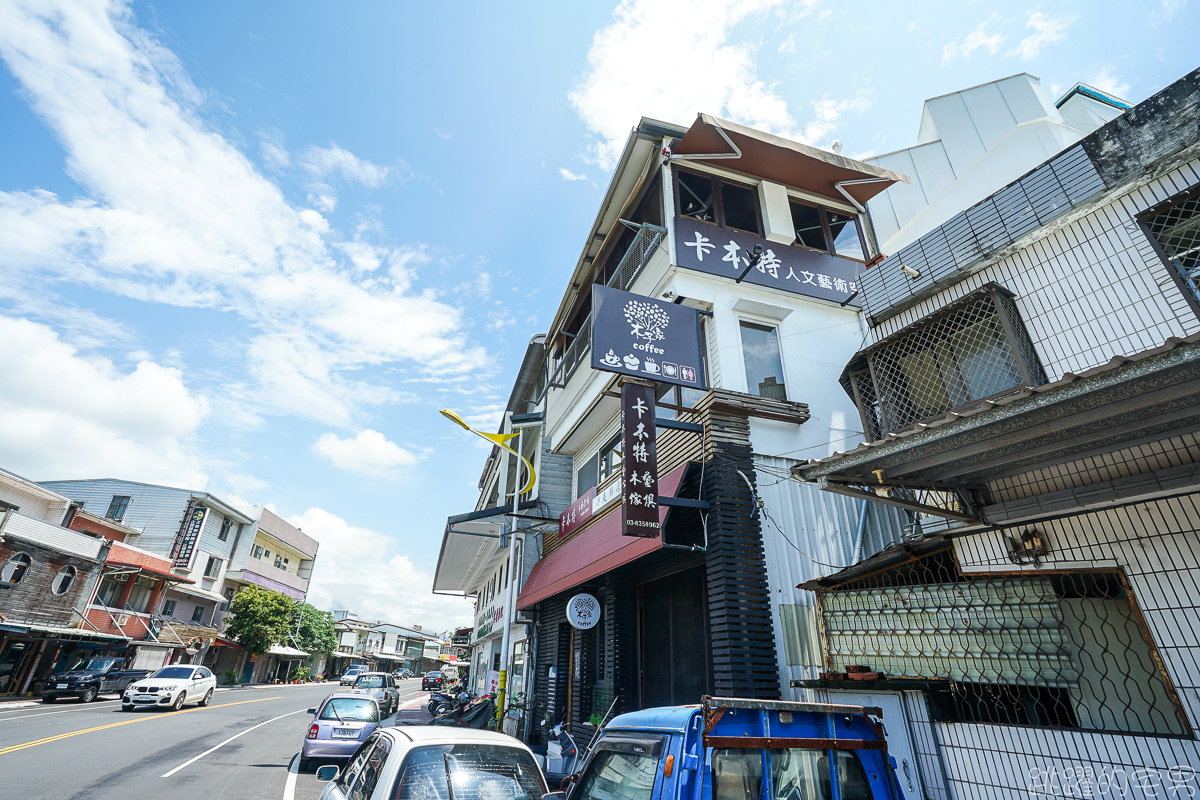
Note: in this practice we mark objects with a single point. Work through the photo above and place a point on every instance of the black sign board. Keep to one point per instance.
(652, 339)
(639, 463)
(186, 544)
(720, 251)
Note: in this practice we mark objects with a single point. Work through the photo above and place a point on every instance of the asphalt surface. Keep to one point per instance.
(71, 751)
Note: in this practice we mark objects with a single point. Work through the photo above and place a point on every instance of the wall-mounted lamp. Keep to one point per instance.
(1029, 548)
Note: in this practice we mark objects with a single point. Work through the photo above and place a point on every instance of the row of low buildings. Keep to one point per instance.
(946, 460)
(387, 647)
(113, 567)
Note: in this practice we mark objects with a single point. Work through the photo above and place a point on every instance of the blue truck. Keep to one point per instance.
(737, 749)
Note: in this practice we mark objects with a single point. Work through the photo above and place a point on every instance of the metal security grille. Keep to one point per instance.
(1176, 228)
(1059, 650)
(971, 351)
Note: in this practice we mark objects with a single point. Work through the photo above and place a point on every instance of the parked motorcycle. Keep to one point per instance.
(441, 702)
(475, 713)
(569, 755)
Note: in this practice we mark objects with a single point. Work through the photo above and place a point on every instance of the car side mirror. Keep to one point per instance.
(555, 796)
(311, 711)
(329, 772)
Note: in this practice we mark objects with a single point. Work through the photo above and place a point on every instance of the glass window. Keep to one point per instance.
(696, 196)
(226, 525)
(169, 608)
(737, 774)
(809, 230)
(369, 682)
(197, 613)
(371, 769)
(588, 475)
(258, 551)
(846, 241)
(63, 580)
(610, 458)
(619, 776)
(110, 590)
(174, 672)
(740, 204)
(764, 365)
(139, 596)
(478, 771)
(117, 507)
(229, 592)
(213, 568)
(15, 568)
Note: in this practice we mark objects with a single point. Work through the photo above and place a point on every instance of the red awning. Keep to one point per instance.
(219, 642)
(600, 548)
(150, 571)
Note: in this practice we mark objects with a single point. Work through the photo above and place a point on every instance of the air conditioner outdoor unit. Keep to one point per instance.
(122, 619)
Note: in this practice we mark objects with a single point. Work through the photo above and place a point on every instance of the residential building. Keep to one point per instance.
(279, 556)
(1029, 390)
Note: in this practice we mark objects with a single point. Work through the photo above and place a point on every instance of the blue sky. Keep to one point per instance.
(253, 247)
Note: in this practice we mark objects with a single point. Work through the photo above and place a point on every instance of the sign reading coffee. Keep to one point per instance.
(652, 339)
(639, 465)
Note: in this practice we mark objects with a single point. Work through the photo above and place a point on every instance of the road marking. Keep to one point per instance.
(14, 748)
(191, 761)
(289, 788)
(60, 711)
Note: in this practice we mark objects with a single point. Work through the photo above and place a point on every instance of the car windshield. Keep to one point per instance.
(434, 675)
(478, 772)
(350, 709)
(93, 664)
(174, 672)
(370, 682)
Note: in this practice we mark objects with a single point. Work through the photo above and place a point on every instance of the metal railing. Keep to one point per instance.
(643, 247)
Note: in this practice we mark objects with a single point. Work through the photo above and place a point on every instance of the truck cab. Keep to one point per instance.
(737, 749)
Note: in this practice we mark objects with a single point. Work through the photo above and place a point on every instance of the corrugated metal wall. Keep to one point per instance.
(808, 533)
(154, 510)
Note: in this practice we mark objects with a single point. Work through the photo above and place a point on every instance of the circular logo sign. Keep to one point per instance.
(583, 611)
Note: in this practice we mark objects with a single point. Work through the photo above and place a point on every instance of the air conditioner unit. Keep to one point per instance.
(122, 619)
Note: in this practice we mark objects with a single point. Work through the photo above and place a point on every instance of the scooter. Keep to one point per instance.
(568, 759)
(452, 702)
(477, 713)
(437, 699)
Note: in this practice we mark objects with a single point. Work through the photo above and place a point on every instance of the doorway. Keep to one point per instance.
(675, 658)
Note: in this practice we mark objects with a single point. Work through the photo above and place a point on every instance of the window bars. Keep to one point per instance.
(971, 351)
(1063, 649)
(1176, 229)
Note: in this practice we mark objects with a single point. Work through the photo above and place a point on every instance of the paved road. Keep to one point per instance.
(245, 745)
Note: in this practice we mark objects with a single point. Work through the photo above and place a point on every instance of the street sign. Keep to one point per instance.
(639, 462)
(637, 335)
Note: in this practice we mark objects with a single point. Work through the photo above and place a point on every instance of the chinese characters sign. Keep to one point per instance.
(576, 514)
(186, 543)
(719, 251)
(653, 339)
(639, 465)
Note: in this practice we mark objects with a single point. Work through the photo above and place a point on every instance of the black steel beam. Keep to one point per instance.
(684, 502)
(676, 425)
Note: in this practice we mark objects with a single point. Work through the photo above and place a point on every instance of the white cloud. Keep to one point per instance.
(567, 175)
(828, 112)
(1106, 80)
(359, 569)
(976, 39)
(175, 214)
(70, 416)
(721, 77)
(324, 162)
(1046, 30)
(369, 453)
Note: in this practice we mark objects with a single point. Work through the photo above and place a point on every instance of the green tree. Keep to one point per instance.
(314, 629)
(259, 618)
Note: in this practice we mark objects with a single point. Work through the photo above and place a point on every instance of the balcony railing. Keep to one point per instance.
(641, 250)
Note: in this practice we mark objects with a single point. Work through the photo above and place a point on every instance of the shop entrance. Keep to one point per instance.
(676, 666)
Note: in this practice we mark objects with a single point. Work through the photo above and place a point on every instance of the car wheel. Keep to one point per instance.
(128, 707)
(178, 704)
(442, 708)
(89, 694)
(207, 698)
(49, 698)
(304, 764)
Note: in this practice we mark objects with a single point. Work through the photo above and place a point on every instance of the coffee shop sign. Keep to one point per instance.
(487, 619)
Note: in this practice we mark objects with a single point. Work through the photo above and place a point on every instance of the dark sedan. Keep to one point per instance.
(89, 677)
(432, 680)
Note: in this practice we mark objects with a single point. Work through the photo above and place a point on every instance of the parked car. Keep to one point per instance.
(340, 725)
(351, 675)
(382, 687)
(171, 687)
(403, 674)
(89, 677)
(716, 750)
(432, 680)
(414, 762)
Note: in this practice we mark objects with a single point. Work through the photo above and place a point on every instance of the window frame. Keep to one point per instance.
(168, 608)
(823, 213)
(123, 508)
(54, 590)
(1144, 219)
(198, 614)
(774, 326)
(226, 527)
(718, 206)
(209, 571)
(603, 459)
(24, 562)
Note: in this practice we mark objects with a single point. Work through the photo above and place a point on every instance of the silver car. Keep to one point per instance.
(340, 724)
(382, 687)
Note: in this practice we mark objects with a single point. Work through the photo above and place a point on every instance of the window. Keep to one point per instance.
(614, 775)
(477, 770)
(258, 551)
(710, 199)
(15, 568)
(63, 580)
(110, 590)
(226, 525)
(168, 608)
(972, 350)
(139, 595)
(204, 672)
(588, 476)
(764, 365)
(266, 554)
(229, 593)
(198, 614)
(117, 508)
(1176, 229)
(610, 458)
(213, 568)
(828, 231)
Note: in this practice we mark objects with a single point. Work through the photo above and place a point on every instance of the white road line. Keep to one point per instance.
(191, 761)
(289, 788)
(63, 711)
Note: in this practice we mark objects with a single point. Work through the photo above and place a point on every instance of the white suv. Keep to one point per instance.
(171, 687)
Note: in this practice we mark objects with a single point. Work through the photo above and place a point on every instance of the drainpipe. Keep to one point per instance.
(858, 536)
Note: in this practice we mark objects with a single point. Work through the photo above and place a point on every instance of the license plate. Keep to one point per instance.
(345, 733)
(61, 686)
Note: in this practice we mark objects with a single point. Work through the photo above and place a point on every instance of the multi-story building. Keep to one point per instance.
(279, 556)
(1029, 391)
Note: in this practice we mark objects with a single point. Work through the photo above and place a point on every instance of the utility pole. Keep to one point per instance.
(508, 594)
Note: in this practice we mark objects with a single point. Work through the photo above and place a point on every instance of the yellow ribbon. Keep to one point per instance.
(501, 440)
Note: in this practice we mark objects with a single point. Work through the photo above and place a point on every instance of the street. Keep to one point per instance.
(245, 745)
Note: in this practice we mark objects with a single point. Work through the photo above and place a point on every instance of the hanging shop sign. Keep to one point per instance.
(719, 251)
(188, 535)
(576, 514)
(639, 466)
(654, 339)
(583, 611)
